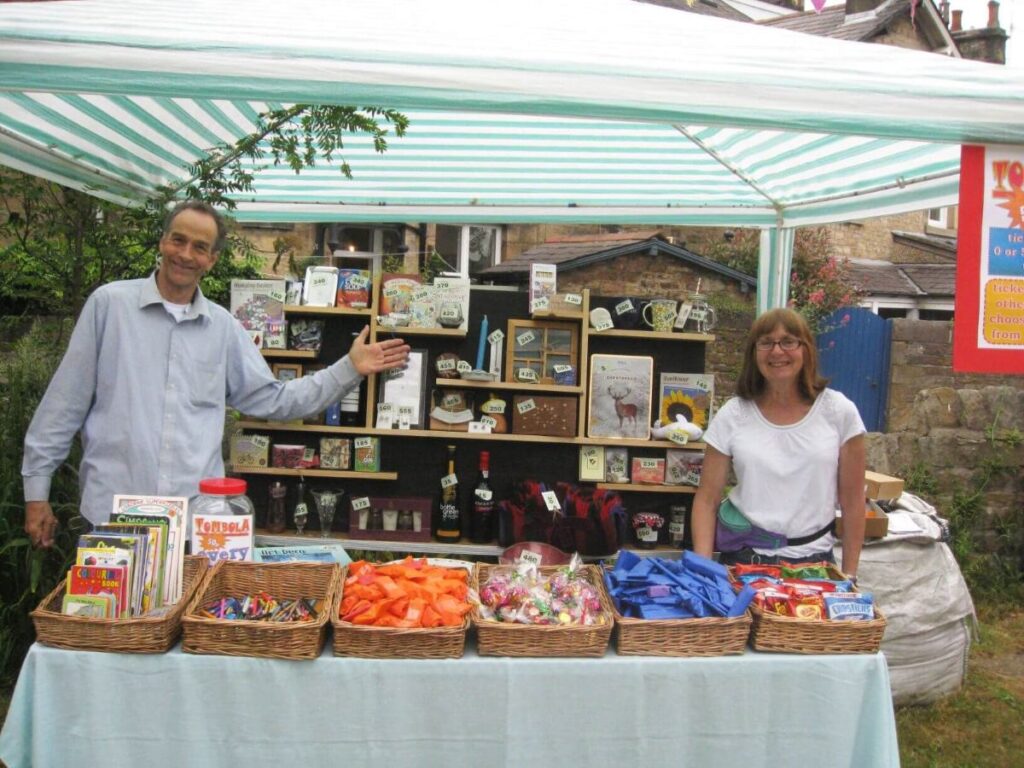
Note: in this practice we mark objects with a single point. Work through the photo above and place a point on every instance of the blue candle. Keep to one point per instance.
(480, 346)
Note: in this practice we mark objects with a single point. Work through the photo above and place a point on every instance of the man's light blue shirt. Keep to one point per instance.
(148, 393)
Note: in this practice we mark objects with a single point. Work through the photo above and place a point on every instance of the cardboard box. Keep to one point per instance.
(883, 487)
(335, 453)
(250, 451)
(876, 523)
(367, 454)
(551, 415)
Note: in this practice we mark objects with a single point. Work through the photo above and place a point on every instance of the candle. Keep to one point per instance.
(480, 346)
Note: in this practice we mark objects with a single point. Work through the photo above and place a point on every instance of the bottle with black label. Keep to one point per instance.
(449, 513)
(481, 524)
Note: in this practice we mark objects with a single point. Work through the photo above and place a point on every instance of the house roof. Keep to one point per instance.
(715, 8)
(883, 278)
(939, 246)
(573, 253)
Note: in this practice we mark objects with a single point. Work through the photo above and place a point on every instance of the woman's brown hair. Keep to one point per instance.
(751, 383)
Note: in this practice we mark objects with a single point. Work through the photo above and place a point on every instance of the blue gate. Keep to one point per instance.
(854, 355)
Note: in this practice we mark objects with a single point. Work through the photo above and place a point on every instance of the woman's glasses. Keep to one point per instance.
(787, 344)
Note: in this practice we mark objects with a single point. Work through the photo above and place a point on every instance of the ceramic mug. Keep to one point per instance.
(662, 315)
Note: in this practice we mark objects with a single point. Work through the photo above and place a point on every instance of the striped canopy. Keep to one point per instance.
(576, 110)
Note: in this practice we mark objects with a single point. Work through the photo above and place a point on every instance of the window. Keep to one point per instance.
(367, 239)
(470, 248)
(938, 217)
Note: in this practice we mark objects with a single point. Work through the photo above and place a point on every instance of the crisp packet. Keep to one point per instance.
(850, 606)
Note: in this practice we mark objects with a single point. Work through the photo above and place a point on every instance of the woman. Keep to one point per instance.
(797, 449)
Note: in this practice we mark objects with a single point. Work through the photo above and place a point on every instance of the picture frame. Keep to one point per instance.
(690, 394)
(540, 346)
(407, 388)
(619, 406)
(286, 371)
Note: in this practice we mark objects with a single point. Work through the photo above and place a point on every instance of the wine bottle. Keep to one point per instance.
(481, 524)
(449, 514)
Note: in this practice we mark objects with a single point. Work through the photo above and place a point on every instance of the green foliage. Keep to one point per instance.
(27, 574)
(920, 480)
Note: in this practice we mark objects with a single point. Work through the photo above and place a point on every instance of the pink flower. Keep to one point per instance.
(817, 297)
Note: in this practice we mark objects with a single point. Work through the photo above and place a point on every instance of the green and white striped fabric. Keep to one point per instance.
(573, 111)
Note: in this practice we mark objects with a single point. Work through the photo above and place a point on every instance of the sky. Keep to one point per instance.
(976, 16)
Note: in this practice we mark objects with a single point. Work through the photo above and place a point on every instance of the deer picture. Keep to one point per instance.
(625, 411)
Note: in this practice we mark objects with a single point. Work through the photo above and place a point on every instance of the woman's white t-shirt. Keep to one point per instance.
(787, 476)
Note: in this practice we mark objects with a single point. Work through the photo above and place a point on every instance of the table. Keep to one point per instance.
(84, 708)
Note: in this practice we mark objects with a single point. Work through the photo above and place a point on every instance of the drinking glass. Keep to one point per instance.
(326, 503)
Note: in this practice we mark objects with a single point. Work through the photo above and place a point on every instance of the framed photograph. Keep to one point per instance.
(286, 371)
(690, 395)
(545, 348)
(620, 396)
(407, 388)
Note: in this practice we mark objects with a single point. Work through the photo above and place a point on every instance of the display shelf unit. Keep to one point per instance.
(641, 488)
(264, 539)
(414, 466)
(332, 473)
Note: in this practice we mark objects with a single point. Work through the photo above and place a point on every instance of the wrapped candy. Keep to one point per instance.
(521, 594)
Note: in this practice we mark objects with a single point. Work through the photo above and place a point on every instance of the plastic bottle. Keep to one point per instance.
(220, 496)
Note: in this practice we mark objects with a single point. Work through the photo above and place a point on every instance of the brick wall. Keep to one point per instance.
(872, 238)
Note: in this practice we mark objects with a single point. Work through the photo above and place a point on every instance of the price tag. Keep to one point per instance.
(677, 528)
(449, 480)
(479, 427)
(385, 415)
(391, 291)
(562, 368)
(684, 314)
(496, 337)
(644, 533)
(308, 455)
(489, 421)
(450, 401)
(525, 338)
(623, 307)
(574, 298)
(362, 442)
(692, 478)
(541, 303)
(420, 294)
(358, 282)
(700, 315)
(526, 374)
(525, 406)
(446, 364)
(603, 324)
(551, 501)
(363, 502)
(493, 406)
(463, 366)
(404, 416)
(648, 463)
(260, 441)
(678, 437)
(484, 494)
(529, 557)
(675, 474)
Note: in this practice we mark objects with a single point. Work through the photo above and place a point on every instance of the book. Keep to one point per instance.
(88, 606)
(114, 557)
(259, 306)
(175, 510)
(690, 395)
(396, 292)
(320, 288)
(222, 537)
(543, 285)
(321, 553)
(451, 297)
(353, 288)
(100, 579)
(135, 543)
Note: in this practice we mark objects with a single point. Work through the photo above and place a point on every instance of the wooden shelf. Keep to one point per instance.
(333, 473)
(292, 354)
(510, 385)
(312, 536)
(295, 309)
(660, 335)
(624, 443)
(404, 330)
(640, 488)
(557, 314)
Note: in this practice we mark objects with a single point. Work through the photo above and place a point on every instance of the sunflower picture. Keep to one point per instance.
(687, 394)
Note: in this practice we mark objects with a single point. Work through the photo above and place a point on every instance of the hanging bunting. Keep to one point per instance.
(818, 5)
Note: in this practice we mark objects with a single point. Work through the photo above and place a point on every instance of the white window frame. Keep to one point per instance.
(942, 221)
(463, 255)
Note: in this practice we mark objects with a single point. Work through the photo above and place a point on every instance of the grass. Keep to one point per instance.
(978, 727)
(981, 725)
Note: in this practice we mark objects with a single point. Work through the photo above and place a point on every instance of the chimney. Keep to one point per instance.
(993, 14)
(957, 20)
(944, 11)
(987, 43)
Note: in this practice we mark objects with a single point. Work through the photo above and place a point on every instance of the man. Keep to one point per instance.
(148, 372)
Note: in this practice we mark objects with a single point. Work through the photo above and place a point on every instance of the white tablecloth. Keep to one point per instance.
(75, 708)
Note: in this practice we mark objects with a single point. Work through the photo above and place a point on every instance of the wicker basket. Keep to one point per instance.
(495, 638)
(713, 636)
(284, 581)
(787, 634)
(394, 642)
(143, 634)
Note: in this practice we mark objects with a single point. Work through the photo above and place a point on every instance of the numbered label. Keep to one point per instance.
(648, 463)
(447, 364)
(604, 324)
(496, 337)
(362, 442)
(526, 374)
(493, 406)
(450, 401)
(479, 427)
(449, 480)
(574, 298)
(623, 307)
(678, 437)
(551, 501)
(541, 303)
(562, 368)
(489, 421)
(358, 282)
(525, 406)
(525, 338)
(363, 502)
(529, 557)
(391, 291)
(463, 366)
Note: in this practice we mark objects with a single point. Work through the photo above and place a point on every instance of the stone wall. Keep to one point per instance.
(872, 238)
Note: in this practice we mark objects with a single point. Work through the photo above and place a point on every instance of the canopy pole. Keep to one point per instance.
(775, 262)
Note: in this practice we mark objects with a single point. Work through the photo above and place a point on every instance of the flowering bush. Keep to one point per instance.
(819, 286)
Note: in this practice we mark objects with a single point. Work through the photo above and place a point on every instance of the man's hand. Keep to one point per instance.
(374, 358)
(40, 523)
